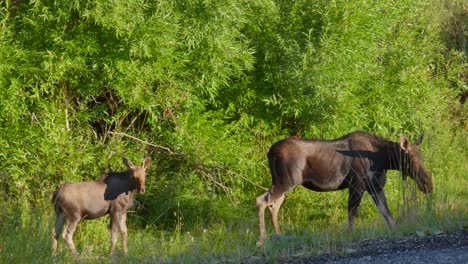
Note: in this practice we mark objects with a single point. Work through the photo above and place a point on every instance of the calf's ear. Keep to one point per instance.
(146, 162)
(404, 143)
(128, 163)
(420, 140)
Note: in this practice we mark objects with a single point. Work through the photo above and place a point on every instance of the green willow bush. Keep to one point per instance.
(205, 87)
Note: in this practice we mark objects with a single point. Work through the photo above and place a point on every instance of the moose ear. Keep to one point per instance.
(128, 163)
(404, 143)
(147, 162)
(420, 140)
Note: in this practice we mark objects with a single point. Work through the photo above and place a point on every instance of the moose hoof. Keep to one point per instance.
(259, 243)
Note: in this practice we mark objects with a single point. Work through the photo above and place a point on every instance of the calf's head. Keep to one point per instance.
(413, 166)
(138, 173)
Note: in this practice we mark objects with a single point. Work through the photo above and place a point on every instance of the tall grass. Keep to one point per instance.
(29, 242)
(311, 226)
(25, 238)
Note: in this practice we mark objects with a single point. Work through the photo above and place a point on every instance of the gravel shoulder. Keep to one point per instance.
(441, 248)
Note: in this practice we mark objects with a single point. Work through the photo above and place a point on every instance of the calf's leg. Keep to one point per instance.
(72, 222)
(123, 231)
(114, 226)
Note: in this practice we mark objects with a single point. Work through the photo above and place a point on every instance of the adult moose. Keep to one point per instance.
(357, 161)
(112, 194)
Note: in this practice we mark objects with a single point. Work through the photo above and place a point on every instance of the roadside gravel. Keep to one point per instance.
(442, 248)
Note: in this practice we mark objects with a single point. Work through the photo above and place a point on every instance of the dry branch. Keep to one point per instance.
(141, 140)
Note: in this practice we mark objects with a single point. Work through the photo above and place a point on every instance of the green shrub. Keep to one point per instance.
(205, 87)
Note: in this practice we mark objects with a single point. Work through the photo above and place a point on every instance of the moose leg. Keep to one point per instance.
(57, 231)
(381, 202)
(115, 222)
(123, 231)
(274, 208)
(68, 235)
(354, 200)
(273, 201)
(261, 206)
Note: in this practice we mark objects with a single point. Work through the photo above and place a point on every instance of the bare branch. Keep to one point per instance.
(140, 140)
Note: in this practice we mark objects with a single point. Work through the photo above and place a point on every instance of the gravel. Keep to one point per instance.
(442, 248)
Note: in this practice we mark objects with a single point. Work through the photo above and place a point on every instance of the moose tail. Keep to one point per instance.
(55, 198)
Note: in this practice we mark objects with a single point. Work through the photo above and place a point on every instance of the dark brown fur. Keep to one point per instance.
(112, 194)
(357, 162)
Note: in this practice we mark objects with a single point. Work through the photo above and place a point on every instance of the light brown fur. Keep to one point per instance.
(112, 194)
